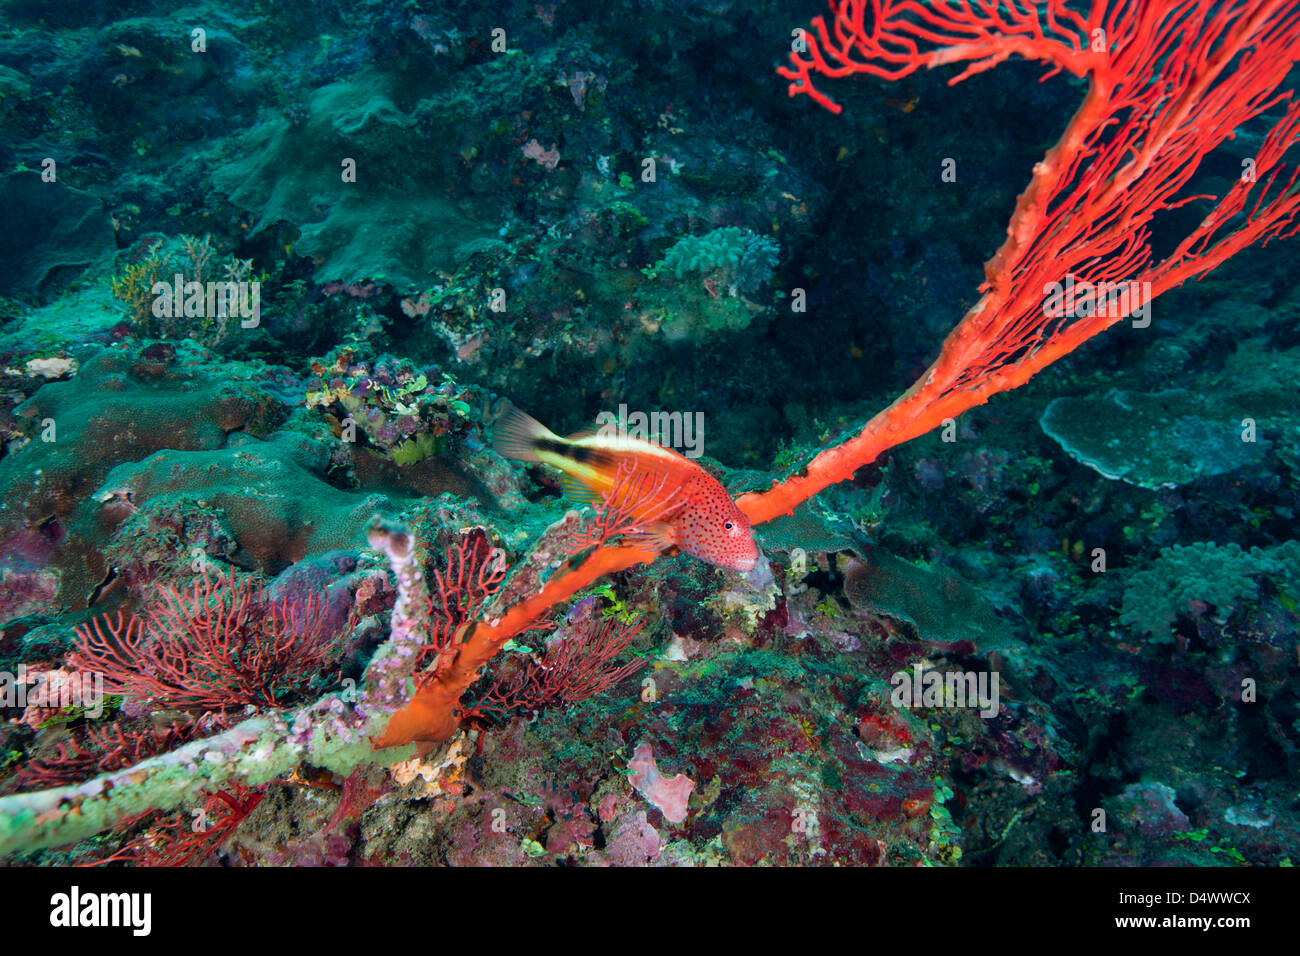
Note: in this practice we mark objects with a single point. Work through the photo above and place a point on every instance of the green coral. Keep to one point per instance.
(393, 222)
(737, 266)
(720, 249)
(1214, 424)
(1154, 440)
(1223, 576)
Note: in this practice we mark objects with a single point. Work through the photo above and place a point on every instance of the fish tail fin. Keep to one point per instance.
(517, 435)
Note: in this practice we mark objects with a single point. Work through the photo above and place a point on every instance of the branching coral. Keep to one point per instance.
(472, 573)
(219, 645)
(1166, 87)
(184, 839)
(161, 261)
(578, 663)
(103, 750)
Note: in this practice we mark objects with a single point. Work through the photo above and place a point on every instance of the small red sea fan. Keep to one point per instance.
(574, 667)
(219, 645)
(191, 839)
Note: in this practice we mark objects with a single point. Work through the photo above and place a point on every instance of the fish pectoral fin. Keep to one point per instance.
(657, 536)
(577, 492)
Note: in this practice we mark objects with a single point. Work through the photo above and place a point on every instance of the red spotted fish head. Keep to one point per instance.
(710, 527)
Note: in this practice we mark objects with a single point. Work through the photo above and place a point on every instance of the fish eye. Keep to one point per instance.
(728, 526)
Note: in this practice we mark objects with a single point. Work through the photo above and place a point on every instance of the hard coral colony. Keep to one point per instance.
(281, 554)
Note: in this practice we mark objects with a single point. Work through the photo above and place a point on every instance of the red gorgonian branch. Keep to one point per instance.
(103, 750)
(1168, 83)
(192, 838)
(219, 645)
(472, 572)
(579, 662)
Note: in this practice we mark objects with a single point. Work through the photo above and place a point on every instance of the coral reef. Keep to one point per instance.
(332, 626)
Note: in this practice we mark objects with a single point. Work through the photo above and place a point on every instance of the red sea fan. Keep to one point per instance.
(637, 499)
(575, 666)
(220, 645)
(472, 572)
(110, 748)
(188, 839)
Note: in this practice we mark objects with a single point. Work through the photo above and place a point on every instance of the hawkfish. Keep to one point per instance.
(687, 508)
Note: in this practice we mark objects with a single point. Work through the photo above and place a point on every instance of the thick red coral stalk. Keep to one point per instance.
(434, 712)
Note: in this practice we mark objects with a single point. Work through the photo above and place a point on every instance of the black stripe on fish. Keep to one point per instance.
(582, 454)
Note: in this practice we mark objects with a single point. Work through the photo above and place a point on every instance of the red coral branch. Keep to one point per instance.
(111, 748)
(473, 572)
(434, 712)
(357, 793)
(892, 39)
(1168, 84)
(219, 645)
(577, 664)
(636, 498)
(190, 838)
